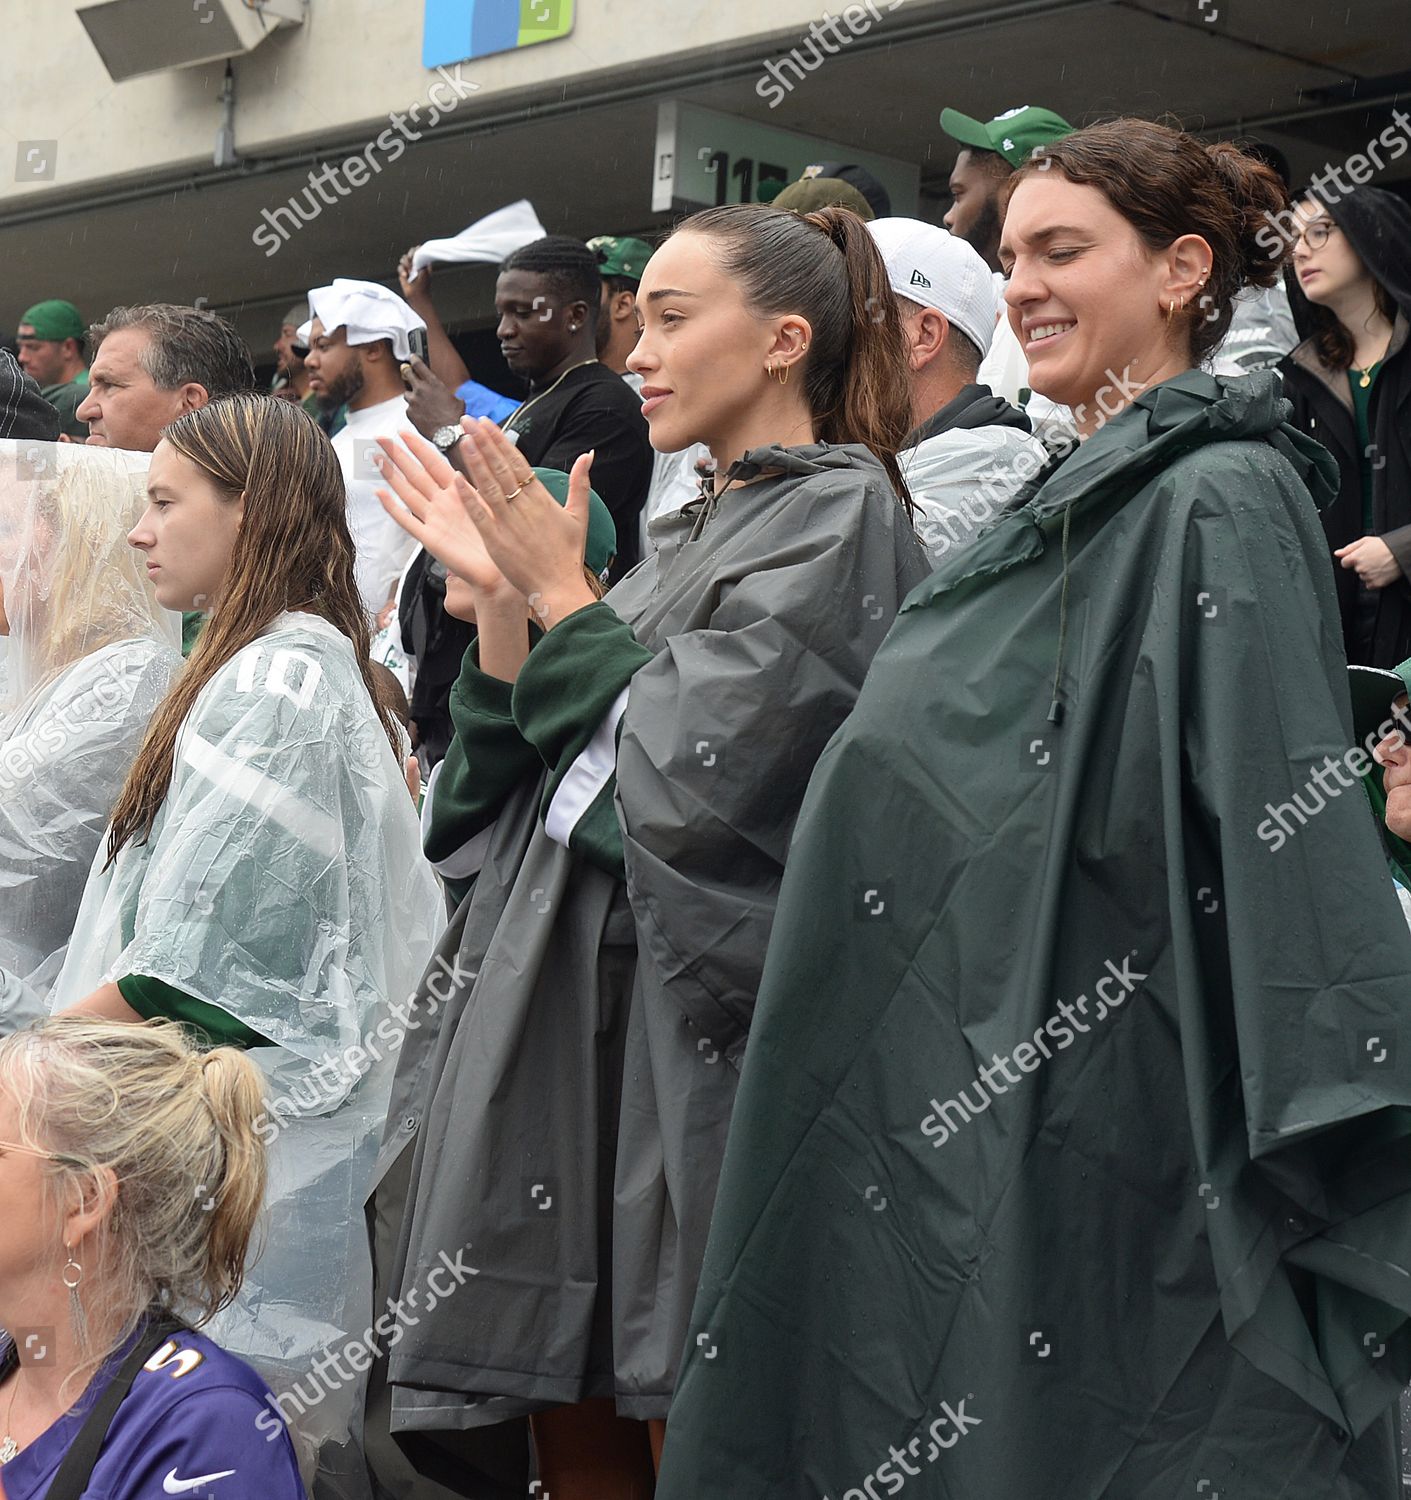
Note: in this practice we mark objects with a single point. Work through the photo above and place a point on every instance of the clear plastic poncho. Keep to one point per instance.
(284, 882)
(90, 654)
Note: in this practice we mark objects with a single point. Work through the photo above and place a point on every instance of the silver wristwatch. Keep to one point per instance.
(446, 438)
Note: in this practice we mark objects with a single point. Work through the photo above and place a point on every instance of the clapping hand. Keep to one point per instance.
(434, 510)
(535, 543)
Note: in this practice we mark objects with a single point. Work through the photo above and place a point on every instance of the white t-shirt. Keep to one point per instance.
(383, 548)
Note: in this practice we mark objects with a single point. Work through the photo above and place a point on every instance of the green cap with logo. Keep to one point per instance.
(1015, 134)
(55, 320)
(620, 255)
(600, 546)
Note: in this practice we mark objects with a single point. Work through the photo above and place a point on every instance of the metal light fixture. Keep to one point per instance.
(135, 37)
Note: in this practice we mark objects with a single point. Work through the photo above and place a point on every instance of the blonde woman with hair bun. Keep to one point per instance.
(132, 1170)
(91, 654)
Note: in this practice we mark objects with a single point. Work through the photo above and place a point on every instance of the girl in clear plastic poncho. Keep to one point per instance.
(90, 655)
(263, 880)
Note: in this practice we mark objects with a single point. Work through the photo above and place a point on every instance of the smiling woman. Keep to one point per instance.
(1058, 766)
(1123, 256)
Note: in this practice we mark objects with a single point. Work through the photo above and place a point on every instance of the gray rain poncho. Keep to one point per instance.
(91, 654)
(570, 1110)
(283, 881)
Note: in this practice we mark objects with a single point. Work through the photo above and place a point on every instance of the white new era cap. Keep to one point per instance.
(932, 266)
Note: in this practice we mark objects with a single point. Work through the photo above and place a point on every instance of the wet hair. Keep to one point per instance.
(179, 1133)
(825, 267)
(186, 344)
(1165, 183)
(568, 267)
(293, 551)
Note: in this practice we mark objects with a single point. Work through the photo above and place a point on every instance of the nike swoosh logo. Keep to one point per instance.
(174, 1486)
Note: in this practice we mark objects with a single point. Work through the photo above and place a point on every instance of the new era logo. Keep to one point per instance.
(917, 279)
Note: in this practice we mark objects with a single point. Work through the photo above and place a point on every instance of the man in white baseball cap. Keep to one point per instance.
(969, 450)
(357, 339)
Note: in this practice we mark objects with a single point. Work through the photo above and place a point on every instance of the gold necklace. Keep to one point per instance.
(1367, 373)
(525, 405)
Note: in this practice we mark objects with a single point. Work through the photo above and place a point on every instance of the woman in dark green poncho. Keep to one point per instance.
(1070, 1156)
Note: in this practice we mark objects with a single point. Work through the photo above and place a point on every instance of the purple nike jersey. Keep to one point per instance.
(197, 1423)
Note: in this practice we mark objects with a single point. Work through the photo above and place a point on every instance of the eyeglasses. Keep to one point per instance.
(1315, 235)
(64, 1161)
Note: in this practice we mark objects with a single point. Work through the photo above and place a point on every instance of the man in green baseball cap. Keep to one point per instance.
(621, 261)
(51, 343)
(994, 149)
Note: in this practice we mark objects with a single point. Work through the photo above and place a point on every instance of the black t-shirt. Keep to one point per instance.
(590, 408)
(593, 408)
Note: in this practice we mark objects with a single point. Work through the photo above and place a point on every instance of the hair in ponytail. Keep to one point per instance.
(825, 267)
(175, 1130)
(1165, 183)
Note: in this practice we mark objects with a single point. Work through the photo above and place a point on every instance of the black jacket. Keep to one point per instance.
(974, 406)
(1376, 623)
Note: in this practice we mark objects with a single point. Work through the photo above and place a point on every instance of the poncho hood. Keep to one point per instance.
(1169, 421)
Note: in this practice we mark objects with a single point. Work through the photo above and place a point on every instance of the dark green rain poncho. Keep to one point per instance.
(1071, 1159)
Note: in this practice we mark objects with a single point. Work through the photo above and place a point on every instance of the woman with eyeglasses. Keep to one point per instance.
(1350, 381)
(131, 1173)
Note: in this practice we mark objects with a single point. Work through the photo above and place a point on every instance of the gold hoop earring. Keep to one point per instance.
(782, 379)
